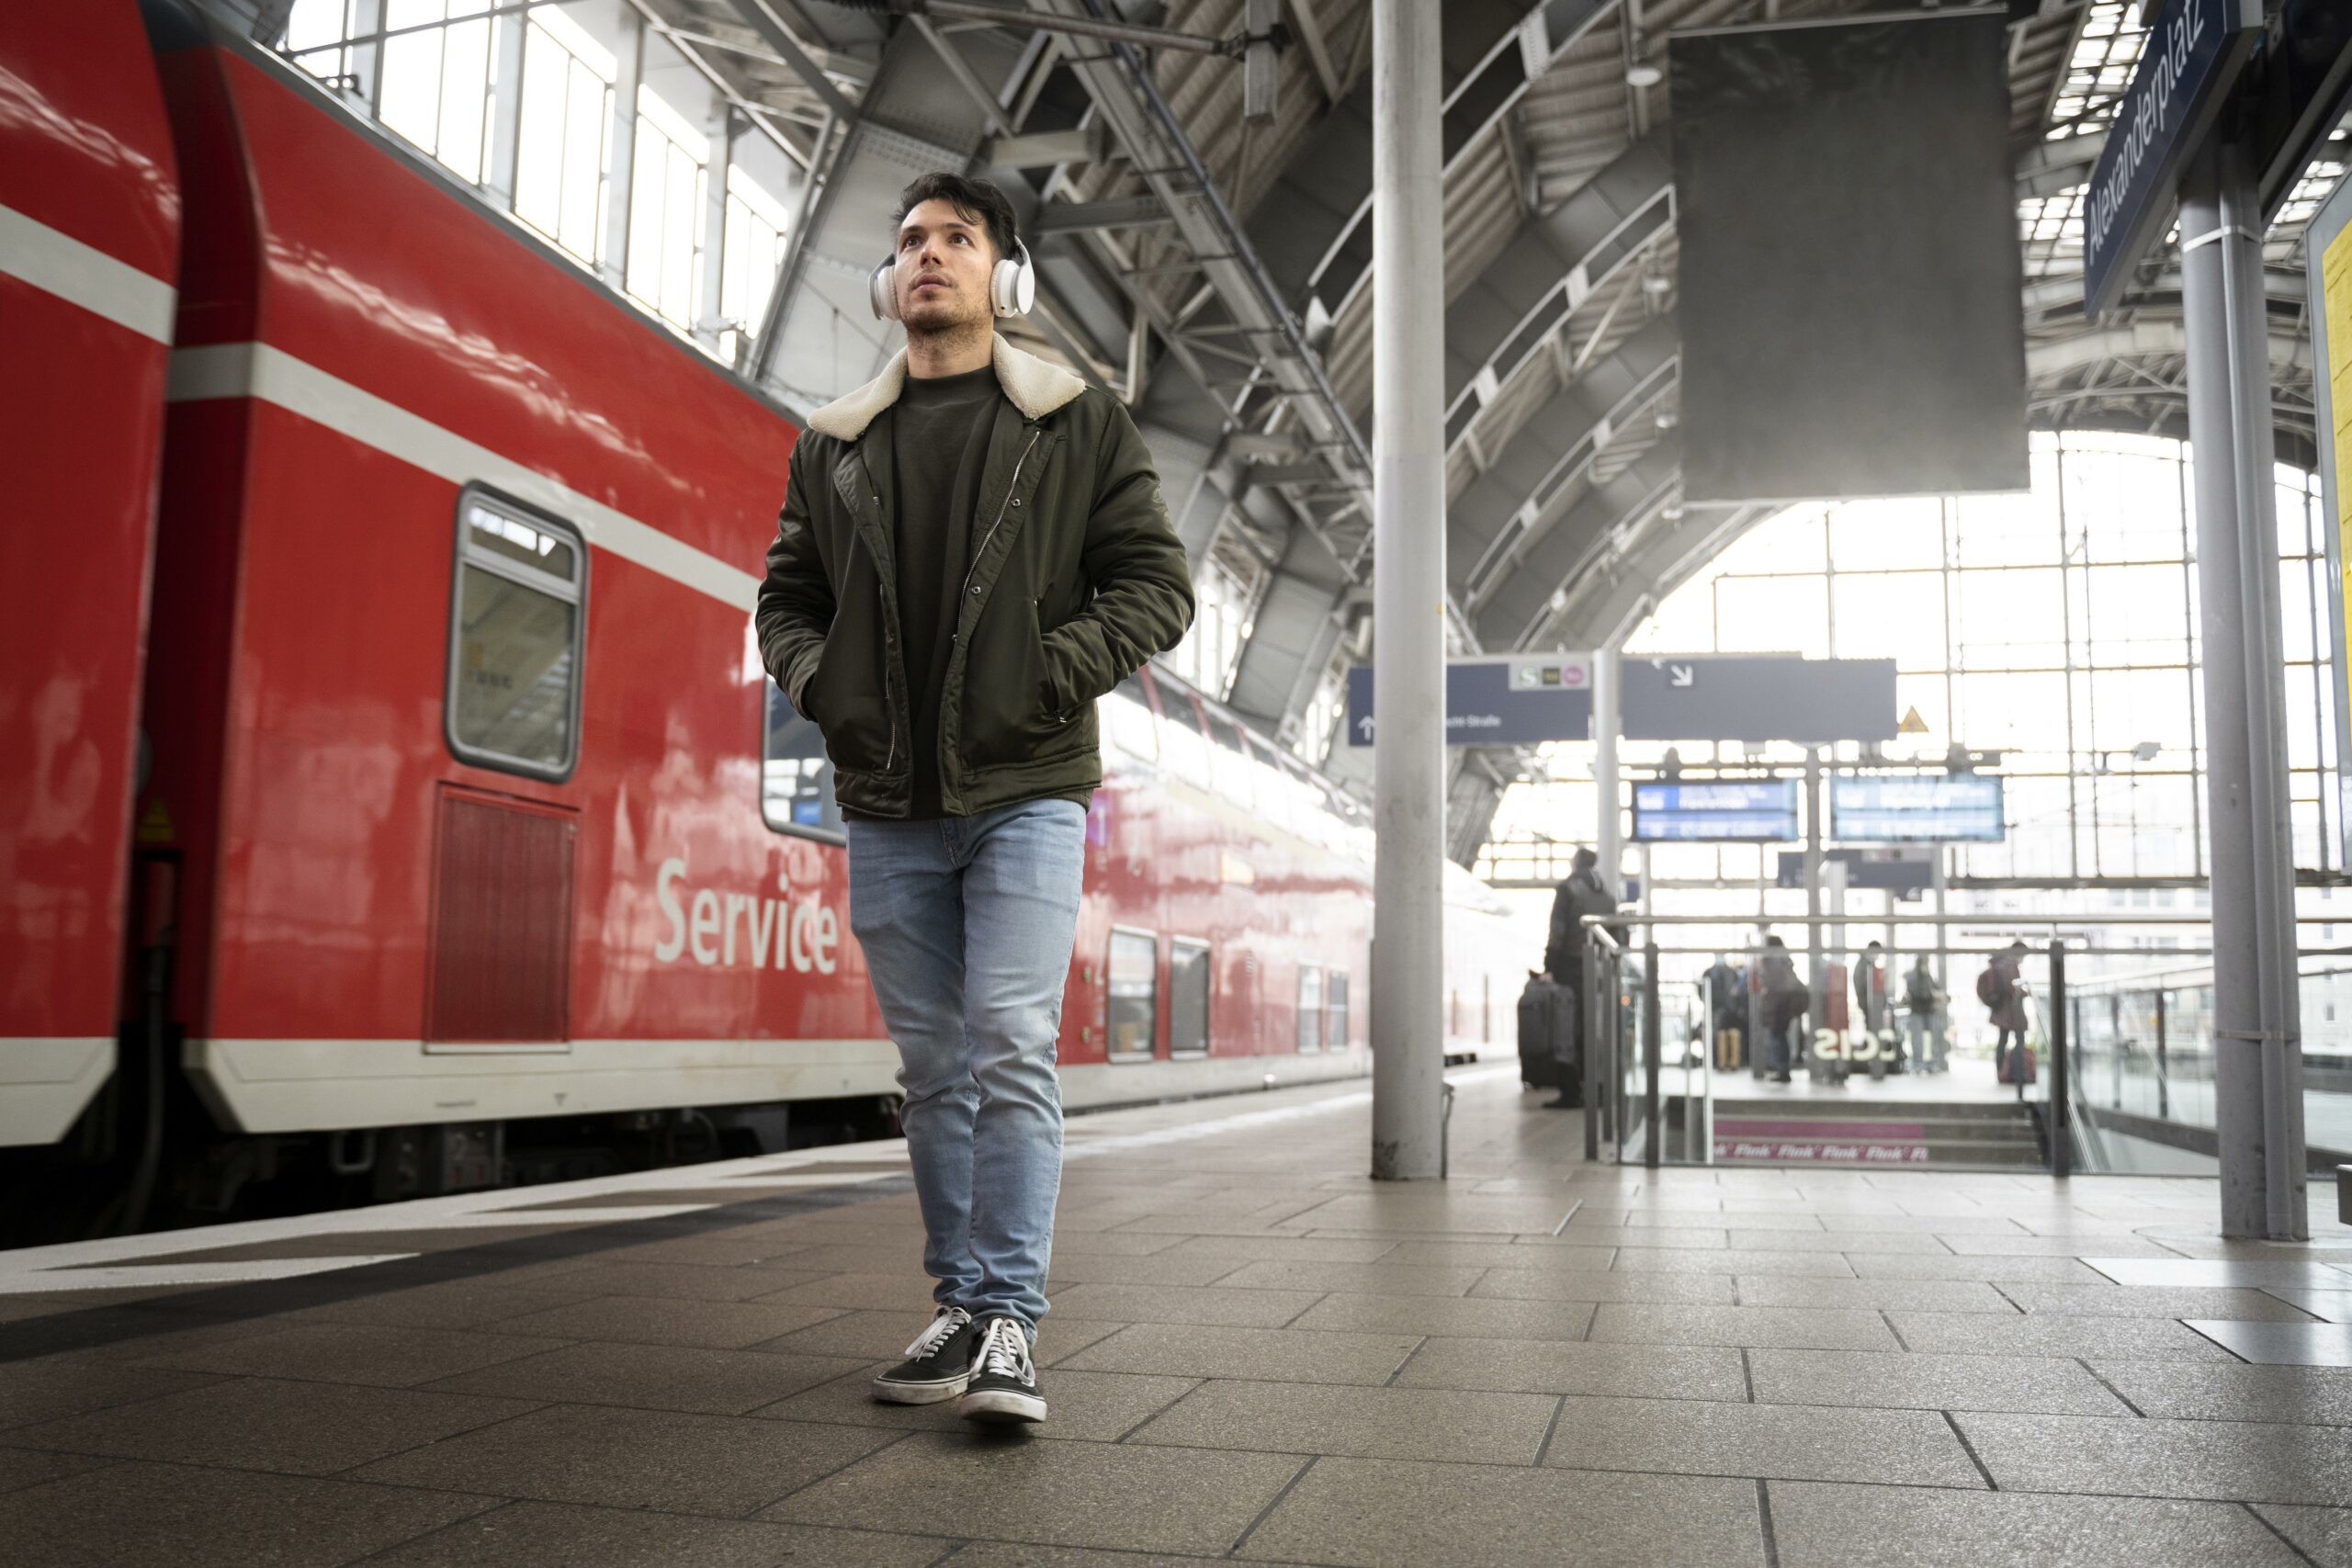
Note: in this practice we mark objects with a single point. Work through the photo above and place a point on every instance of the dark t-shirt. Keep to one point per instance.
(940, 441)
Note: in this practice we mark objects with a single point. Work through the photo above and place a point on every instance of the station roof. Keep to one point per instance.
(1215, 272)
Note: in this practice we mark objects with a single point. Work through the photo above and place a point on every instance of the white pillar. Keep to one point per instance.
(1408, 591)
(1607, 722)
(509, 35)
(2257, 1050)
(710, 303)
(613, 265)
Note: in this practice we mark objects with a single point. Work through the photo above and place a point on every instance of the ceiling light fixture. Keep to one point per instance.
(1644, 74)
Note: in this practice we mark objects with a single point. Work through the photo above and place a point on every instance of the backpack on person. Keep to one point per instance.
(1992, 988)
(1919, 991)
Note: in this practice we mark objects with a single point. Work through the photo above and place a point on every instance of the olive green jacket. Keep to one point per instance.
(1076, 579)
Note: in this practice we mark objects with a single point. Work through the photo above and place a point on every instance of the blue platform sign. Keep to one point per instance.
(1498, 701)
(2192, 58)
(1922, 808)
(1755, 811)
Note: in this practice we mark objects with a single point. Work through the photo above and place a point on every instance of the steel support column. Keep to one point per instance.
(1607, 721)
(1408, 594)
(2257, 1050)
(612, 262)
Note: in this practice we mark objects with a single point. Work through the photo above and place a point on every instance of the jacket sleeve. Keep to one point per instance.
(1143, 589)
(795, 608)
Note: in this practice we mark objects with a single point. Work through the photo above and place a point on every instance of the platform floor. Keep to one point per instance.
(1254, 1353)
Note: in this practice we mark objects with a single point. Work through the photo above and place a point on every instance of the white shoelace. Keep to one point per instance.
(942, 1326)
(1004, 1351)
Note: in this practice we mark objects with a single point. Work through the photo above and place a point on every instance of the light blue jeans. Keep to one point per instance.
(967, 925)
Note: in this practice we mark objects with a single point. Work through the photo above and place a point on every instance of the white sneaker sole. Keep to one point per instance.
(999, 1405)
(919, 1392)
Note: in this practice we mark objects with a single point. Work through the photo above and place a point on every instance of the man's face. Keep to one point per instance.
(941, 269)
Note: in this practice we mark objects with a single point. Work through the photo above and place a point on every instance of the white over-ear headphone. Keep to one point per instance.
(1012, 286)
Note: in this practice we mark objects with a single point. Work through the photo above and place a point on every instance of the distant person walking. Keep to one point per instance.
(1724, 989)
(1580, 893)
(1871, 1016)
(1781, 999)
(2002, 988)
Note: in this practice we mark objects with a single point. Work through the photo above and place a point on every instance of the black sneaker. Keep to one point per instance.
(1004, 1386)
(938, 1364)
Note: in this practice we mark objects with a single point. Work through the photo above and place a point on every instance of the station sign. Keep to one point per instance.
(1758, 698)
(1754, 811)
(1917, 808)
(2192, 58)
(1906, 876)
(1520, 701)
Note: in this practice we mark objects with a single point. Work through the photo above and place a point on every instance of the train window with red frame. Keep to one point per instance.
(1183, 744)
(1188, 997)
(1310, 1007)
(796, 776)
(516, 609)
(1132, 998)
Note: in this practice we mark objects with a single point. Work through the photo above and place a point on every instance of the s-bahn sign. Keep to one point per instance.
(2192, 58)
(1519, 701)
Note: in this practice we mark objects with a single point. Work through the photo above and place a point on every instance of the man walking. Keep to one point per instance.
(972, 549)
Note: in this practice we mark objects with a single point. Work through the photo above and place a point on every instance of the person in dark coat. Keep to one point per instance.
(1782, 1000)
(2002, 989)
(1580, 893)
(1723, 991)
(1870, 1011)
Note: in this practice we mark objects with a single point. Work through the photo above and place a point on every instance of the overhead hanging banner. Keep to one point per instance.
(2192, 58)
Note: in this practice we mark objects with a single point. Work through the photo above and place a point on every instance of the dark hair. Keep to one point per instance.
(975, 201)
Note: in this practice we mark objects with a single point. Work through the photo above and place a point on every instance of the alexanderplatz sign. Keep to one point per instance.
(2193, 56)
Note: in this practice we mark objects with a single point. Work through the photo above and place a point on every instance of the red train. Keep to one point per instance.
(388, 762)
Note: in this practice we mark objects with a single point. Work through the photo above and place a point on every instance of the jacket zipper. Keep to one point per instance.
(1034, 438)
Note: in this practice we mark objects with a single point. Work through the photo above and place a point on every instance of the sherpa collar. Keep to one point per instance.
(1035, 388)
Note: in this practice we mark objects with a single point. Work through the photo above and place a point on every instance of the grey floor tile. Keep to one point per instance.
(2137, 1300)
(1734, 1260)
(1876, 1295)
(634, 1459)
(845, 1255)
(2324, 1535)
(1867, 1379)
(1465, 1317)
(1068, 1494)
(1441, 1213)
(1821, 1526)
(2158, 1273)
(1532, 1366)
(891, 1292)
(1370, 1423)
(1396, 1514)
(1099, 1408)
(1010, 1555)
(2226, 1461)
(1586, 1285)
(1364, 1278)
(1813, 1328)
(564, 1535)
(1897, 1243)
(453, 1303)
(49, 1387)
(651, 1320)
(1152, 1268)
(2047, 1334)
(1795, 1442)
(302, 1429)
(215, 1519)
(1489, 1254)
(655, 1377)
(1231, 1307)
(2232, 1392)
(689, 1282)
(1673, 1219)
(2281, 1344)
(1278, 1355)
(2022, 1245)
(2328, 1306)
(358, 1353)
(30, 1467)
(1993, 1270)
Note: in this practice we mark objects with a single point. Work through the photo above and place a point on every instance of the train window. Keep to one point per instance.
(1335, 1011)
(1182, 745)
(1187, 997)
(1134, 996)
(1310, 1007)
(795, 777)
(1127, 722)
(1229, 763)
(516, 612)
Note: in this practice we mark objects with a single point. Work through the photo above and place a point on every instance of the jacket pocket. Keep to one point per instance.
(1009, 713)
(848, 697)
